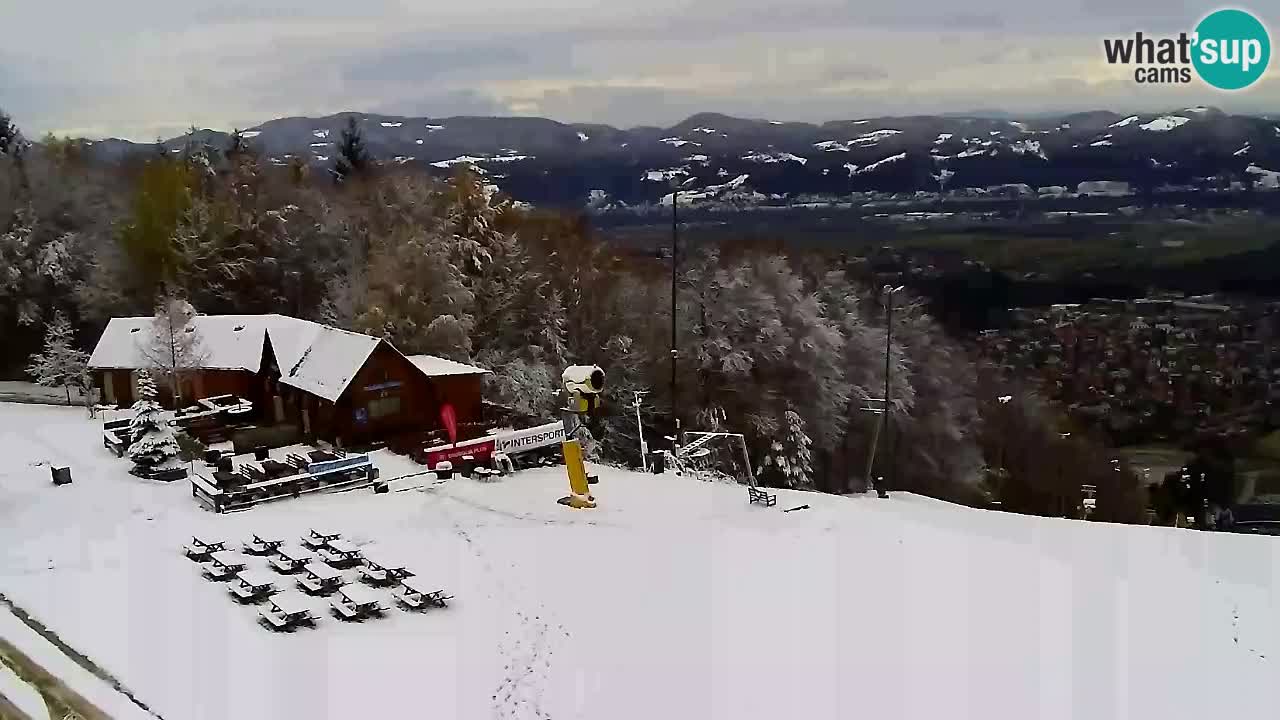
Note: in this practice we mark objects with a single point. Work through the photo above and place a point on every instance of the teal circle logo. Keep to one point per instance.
(1232, 49)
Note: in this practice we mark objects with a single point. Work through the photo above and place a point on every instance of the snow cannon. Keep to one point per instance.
(583, 384)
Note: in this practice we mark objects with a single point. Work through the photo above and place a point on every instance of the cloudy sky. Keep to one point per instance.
(146, 68)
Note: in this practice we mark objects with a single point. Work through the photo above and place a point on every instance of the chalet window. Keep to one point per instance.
(384, 407)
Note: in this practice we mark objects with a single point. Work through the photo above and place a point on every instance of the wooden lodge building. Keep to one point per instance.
(334, 384)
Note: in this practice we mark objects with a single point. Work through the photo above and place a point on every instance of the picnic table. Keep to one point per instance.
(274, 469)
(317, 538)
(262, 546)
(287, 611)
(323, 456)
(341, 554)
(356, 602)
(320, 579)
(224, 564)
(201, 548)
(381, 569)
(416, 595)
(252, 586)
(290, 559)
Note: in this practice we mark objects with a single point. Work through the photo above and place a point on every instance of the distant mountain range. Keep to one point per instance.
(551, 163)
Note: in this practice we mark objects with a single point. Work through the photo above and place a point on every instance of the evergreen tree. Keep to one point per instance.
(790, 459)
(353, 156)
(60, 363)
(154, 444)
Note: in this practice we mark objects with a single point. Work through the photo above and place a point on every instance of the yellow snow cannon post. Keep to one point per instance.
(583, 384)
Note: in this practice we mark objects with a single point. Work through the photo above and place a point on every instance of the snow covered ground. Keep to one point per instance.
(674, 599)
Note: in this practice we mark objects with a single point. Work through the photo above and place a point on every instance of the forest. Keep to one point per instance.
(785, 346)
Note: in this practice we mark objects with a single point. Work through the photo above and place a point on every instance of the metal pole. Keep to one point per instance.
(675, 243)
(644, 450)
(888, 428)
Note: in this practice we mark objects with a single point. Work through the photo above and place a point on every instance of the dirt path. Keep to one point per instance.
(64, 703)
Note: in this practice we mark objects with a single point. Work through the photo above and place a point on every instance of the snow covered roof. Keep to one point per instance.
(433, 366)
(230, 342)
(316, 358)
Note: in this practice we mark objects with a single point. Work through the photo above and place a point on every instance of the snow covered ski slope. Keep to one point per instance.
(675, 599)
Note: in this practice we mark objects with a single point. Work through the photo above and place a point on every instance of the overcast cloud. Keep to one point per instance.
(146, 68)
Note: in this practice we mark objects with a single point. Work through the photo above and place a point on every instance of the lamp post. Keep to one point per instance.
(644, 447)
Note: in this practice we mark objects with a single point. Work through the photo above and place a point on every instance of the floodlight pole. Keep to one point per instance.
(675, 243)
(888, 398)
(644, 448)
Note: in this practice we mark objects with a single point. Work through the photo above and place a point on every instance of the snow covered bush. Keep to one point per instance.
(154, 444)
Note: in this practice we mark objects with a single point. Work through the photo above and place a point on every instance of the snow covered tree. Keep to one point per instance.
(153, 443)
(60, 363)
(173, 347)
(11, 140)
(353, 156)
(789, 461)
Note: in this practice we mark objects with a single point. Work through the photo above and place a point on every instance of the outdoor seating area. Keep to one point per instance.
(236, 484)
(348, 598)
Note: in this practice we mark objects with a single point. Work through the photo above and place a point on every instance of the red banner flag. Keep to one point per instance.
(450, 422)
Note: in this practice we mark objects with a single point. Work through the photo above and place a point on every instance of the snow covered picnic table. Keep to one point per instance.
(224, 564)
(320, 579)
(288, 610)
(415, 594)
(253, 585)
(341, 554)
(262, 546)
(382, 569)
(200, 549)
(291, 559)
(356, 602)
(317, 538)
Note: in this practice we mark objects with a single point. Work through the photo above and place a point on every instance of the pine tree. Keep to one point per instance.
(60, 363)
(353, 156)
(790, 459)
(154, 444)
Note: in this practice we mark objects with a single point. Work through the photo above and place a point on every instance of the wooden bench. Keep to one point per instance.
(760, 497)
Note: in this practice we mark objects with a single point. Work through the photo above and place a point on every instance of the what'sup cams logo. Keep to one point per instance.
(1229, 50)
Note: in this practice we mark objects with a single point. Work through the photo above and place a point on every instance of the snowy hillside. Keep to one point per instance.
(544, 162)
(675, 599)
